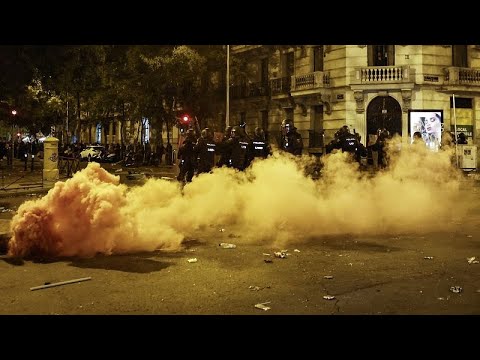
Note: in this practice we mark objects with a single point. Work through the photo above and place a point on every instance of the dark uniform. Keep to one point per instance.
(187, 157)
(237, 149)
(205, 149)
(291, 141)
(222, 148)
(259, 147)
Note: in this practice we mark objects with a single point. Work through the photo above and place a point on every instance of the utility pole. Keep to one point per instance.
(227, 110)
(14, 112)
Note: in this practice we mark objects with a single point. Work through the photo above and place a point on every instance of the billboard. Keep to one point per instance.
(429, 123)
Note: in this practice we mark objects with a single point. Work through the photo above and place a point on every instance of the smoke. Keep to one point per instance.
(273, 202)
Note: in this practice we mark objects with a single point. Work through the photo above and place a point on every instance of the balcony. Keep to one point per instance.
(462, 76)
(310, 81)
(280, 86)
(382, 75)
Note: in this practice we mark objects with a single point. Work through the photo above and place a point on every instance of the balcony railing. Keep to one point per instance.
(382, 74)
(248, 90)
(462, 76)
(313, 80)
(281, 85)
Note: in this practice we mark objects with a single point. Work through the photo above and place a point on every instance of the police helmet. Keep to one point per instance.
(236, 131)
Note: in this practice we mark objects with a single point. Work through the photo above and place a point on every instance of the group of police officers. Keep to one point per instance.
(236, 150)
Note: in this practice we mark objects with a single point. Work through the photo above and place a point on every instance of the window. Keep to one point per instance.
(381, 55)
(318, 58)
(98, 136)
(288, 64)
(264, 71)
(146, 130)
(459, 56)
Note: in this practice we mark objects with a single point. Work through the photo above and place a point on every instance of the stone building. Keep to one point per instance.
(322, 87)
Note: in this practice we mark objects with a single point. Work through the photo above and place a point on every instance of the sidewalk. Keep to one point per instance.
(16, 181)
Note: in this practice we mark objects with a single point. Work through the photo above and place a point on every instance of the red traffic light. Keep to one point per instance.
(185, 118)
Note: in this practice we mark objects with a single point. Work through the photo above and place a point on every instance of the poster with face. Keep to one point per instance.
(429, 123)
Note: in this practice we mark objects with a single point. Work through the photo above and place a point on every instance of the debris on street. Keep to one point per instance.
(268, 261)
(440, 298)
(328, 277)
(222, 230)
(428, 257)
(329, 297)
(296, 250)
(262, 306)
(456, 289)
(265, 254)
(227, 246)
(471, 260)
(192, 260)
(254, 288)
(119, 170)
(280, 254)
(469, 236)
(49, 285)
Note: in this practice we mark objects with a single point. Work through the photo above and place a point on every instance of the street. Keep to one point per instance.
(398, 274)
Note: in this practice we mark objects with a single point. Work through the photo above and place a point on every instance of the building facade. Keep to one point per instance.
(367, 87)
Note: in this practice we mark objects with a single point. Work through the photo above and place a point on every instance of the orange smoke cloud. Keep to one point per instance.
(272, 202)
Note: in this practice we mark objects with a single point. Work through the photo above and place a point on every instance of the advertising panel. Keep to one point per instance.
(429, 123)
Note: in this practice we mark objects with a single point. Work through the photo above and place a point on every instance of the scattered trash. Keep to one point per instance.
(328, 277)
(350, 264)
(221, 230)
(191, 250)
(329, 297)
(296, 250)
(456, 289)
(193, 260)
(268, 261)
(478, 290)
(227, 246)
(284, 251)
(469, 236)
(119, 170)
(472, 260)
(254, 288)
(428, 257)
(280, 254)
(265, 254)
(48, 285)
(440, 298)
(262, 306)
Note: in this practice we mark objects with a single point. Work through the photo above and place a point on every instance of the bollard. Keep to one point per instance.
(50, 160)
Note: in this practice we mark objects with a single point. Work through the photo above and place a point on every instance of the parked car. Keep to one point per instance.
(92, 152)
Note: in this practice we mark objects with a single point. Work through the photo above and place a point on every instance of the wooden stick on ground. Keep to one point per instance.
(59, 283)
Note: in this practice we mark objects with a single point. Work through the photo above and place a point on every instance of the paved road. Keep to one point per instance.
(395, 274)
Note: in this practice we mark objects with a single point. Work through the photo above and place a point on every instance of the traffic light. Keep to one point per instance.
(184, 122)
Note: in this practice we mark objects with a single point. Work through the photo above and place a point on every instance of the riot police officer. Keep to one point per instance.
(187, 157)
(237, 149)
(259, 147)
(205, 149)
(222, 147)
(291, 141)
